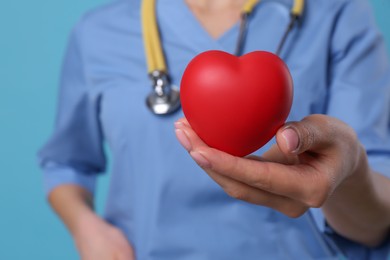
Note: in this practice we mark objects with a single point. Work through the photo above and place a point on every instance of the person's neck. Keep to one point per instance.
(216, 5)
(216, 16)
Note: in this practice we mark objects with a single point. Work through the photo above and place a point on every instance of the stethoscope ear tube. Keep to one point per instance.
(298, 8)
(246, 11)
(289, 28)
(151, 37)
(295, 14)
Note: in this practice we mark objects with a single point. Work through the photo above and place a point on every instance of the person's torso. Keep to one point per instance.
(166, 205)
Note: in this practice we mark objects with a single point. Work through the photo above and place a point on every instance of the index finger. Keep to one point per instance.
(299, 182)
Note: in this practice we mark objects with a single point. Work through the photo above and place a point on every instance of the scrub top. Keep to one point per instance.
(164, 203)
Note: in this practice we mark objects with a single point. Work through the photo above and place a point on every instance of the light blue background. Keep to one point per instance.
(33, 35)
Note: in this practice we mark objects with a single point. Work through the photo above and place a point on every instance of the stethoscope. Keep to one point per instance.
(165, 97)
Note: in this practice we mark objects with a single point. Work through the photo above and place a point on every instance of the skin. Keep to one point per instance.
(317, 162)
(216, 16)
(94, 238)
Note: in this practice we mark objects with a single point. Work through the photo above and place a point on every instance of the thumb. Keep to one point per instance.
(314, 133)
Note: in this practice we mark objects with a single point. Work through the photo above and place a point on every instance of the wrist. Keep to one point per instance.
(358, 181)
(74, 205)
(360, 174)
(84, 223)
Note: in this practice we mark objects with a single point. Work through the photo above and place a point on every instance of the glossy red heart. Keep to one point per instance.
(236, 104)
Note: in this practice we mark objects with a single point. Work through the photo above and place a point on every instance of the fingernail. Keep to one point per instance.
(183, 139)
(200, 159)
(291, 138)
(178, 124)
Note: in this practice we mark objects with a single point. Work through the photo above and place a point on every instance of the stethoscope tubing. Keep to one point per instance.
(163, 94)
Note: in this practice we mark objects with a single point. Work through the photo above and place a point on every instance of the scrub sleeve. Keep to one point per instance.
(74, 154)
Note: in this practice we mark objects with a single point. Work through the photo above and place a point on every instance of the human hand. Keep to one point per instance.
(98, 240)
(312, 159)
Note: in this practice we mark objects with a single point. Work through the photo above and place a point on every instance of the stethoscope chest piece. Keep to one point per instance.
(165, 98)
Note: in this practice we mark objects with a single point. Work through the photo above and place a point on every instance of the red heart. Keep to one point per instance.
(236, 104)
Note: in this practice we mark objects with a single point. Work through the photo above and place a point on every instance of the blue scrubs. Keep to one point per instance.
(164, 203)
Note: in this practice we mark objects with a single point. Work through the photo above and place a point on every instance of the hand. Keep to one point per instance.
(311, 160)
(98, 240)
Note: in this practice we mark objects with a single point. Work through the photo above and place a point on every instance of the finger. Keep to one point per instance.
(241, 191)
(240, 184)
(255, 158)
(188, 138)
(183, 139)
(314, 133)
(263, 175)
(235, 188)
(274, 154)
(182, 121)
(272, 177)
(298, 182)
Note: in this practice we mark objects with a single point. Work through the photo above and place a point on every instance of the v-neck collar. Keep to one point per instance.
(185, 24)
(184, 27)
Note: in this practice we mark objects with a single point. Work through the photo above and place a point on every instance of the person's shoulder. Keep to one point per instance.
(334, 9)
(337, 4)
(110, 15)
